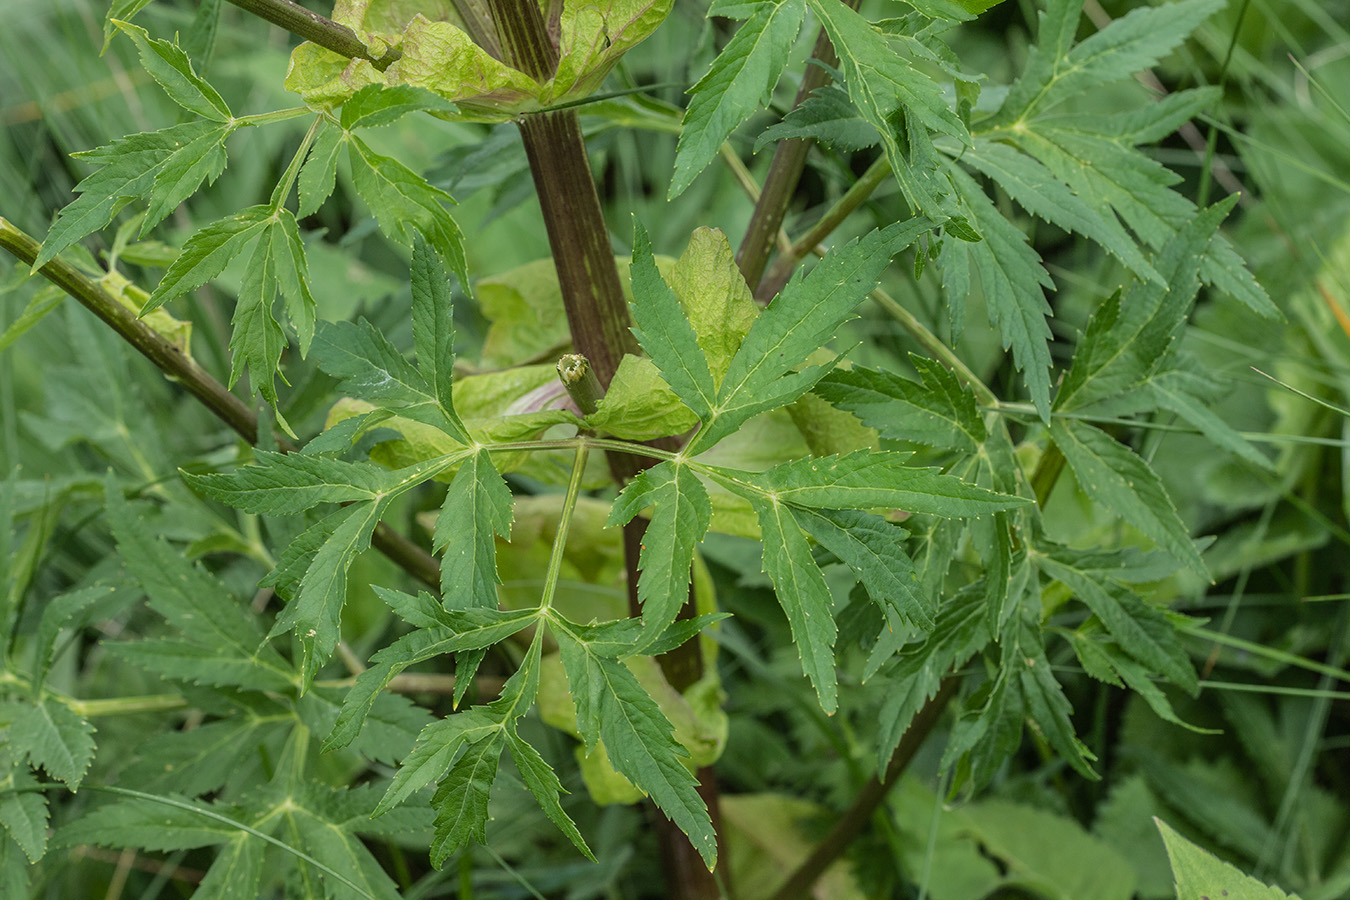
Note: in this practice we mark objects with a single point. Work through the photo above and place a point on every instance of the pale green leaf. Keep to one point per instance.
(665, 333)
(1113, 475)
(171, 68)
(740, 80)
(681, 514)
(477, 508)
(639, 405)
(318, 175)
(1200, 875)
(801, 319)
(715, 297)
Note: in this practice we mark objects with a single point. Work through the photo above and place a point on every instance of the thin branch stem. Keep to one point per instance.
(935, 347)
(180, 367)
(316, 28)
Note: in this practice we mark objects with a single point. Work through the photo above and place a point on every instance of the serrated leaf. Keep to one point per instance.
(208, 252)
(738, 82)
(1141, 630)
(1179, 392)
(182, 172)
(437, 746)
(170, 67)
(1127, 339)
(292, 269)
(715, 297)
(58, 614)
(256, 338)
(802, 593)
(1131, 43)
(665, 333)
(478, 507)
(127, 170)
(345, 856)
(798, 322)
(543, 783)
(827, 117)
(940, 412)
(318, 175)
(145, 825)
(372, 368)
(195, 664)
(1047, 707)
(1014, 282)
(433, 326)
(1040, 193)
(1113, 475)
(377, 104)
(472, 629)
(315, 612)
(23, 812)
(462, 800)
(1199, 874)
(871, 479)
(290, 483)
(885, 87)
(54, 737)
(236, 871)
(405, 204)
(871, 547)
(614, 710)
(681, 514)
(201, 760)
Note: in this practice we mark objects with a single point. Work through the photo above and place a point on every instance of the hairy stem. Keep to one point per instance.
(313, 27)
(180, 367)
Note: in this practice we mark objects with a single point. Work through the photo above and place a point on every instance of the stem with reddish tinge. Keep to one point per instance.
(316, 28)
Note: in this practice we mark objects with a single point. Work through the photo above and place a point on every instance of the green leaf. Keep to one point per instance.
(292, 269)
(639, 405)
(681, 514)
(543, 783)
(207, 252)
(290, 483)
(715, 297)
(318, 175)
(1013, 280)
(1113, 475)
(23, 811)
(665, 332)
(940, 412)
(256, 339)
(740, 80)
(170, 67)
(236, 871)
(886, 86)
(827, 116)
(801, 319)
(1141, 630)
(1199, 874)
(434, 331)
(372, 368)
(345, 856)
(1131, 43)
(145, 825)
(315, 612)
(802, 593)
(70, 610)
(614, 709)
(196, 664)
(377, 104)
(1127, 339)
(437, 746)
(461, 803)
(1181, 392)
(405, 204)
(54, 737)
(469, 629)
(871, 479)
(124, 10)
(1040, 193)
(478, 506)
(871, 547)
(1046, 705)
(129, 169)
(182, 172)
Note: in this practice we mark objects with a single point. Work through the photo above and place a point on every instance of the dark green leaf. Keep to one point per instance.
(940, 412)
(871, 547)
(461, 803)
(170, 67)
(478, 507)
(434, 331)
(54, 737)
(543, 783)
(207, 252)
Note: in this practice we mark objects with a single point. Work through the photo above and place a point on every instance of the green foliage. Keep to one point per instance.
(785, 540)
